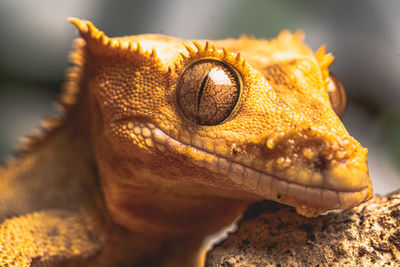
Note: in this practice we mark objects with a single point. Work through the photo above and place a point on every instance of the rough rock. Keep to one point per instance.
(271, 234)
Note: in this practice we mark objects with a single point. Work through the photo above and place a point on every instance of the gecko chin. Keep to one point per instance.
(308, 200)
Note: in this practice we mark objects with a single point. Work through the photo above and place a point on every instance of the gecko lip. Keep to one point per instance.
(263, 185)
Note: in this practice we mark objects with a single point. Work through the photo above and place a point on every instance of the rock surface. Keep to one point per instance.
(271, 234)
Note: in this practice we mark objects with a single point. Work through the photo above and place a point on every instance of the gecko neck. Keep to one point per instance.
(171, 226)
(168, 213)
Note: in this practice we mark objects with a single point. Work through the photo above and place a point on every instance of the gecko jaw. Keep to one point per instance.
(307, 199)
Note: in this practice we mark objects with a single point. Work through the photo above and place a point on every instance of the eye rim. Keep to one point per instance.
(240, 83)
(337, 95)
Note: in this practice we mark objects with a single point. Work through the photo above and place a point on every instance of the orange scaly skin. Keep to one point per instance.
(127, 177)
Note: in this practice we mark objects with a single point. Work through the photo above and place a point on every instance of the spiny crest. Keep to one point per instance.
(25, 143)
(287, 36)
(99, 43)
(210, 50)
(74, 74)
(68, 99)
(90, 33)
(37, 136)
(324, 60)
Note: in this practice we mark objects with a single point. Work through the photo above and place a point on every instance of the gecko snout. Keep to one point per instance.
(320, 163)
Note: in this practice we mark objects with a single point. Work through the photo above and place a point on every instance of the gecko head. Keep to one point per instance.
(241, 119)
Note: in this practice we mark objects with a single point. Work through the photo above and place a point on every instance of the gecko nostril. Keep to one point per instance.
(320, 164)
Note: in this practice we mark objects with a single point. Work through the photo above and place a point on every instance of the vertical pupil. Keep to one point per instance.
(207, 92)
(201, 90)
(216, 76)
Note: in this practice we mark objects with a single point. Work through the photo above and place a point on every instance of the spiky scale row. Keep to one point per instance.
(139, 48)
(324, 60)
(66, 101)
(68, 98)
(36, 136)
(89, 32)
(207, 46)
(26, 143)
(225, 51)
(210, 50)
(97, 40)
(74, 75)
(297, 36)
(198, 46)
(50, 123)
(189, 49)
(153, 53)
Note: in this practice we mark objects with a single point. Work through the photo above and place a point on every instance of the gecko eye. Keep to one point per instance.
(337, 95)
(208, 92)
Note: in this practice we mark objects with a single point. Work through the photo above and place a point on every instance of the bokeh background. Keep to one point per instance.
(364, 36)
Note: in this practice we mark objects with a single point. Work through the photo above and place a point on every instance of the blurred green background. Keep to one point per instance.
(363, 35)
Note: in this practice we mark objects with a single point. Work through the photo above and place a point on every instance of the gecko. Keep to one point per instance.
(164, 141)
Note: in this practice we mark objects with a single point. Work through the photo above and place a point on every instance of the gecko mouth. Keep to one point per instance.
(307, 199)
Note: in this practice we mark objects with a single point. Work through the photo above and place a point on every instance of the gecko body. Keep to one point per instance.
(164, 141)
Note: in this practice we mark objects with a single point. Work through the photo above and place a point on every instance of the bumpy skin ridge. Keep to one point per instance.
(62, 236)
(124, 165)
